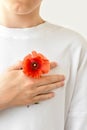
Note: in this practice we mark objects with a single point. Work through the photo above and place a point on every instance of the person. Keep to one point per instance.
(22, 30)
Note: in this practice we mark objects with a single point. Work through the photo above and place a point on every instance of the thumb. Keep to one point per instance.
(17, 66)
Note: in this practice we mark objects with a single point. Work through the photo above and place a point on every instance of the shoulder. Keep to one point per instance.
(67, 35)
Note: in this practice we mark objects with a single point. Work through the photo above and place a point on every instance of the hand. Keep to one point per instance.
(16, 89)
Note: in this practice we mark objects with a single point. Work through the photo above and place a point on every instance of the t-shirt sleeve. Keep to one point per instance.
(77, 114)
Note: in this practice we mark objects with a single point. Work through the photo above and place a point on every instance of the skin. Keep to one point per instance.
(20, 13)
(16, 89)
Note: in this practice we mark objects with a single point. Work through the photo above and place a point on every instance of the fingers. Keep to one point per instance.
(53, 65)
(49, 80)
(47, 88)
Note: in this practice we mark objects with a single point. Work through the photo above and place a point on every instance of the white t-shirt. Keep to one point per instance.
(68, 109)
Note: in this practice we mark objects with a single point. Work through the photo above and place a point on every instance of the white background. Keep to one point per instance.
(68, 13)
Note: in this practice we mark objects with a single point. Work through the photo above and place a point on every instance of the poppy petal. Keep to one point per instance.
(35, 64)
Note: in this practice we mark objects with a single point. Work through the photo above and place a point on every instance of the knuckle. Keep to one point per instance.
(35, 82)
(47, 87)
(32, 93)
(48, 78)
(39, 98)
(45, 97)
(29, 85)
(42, 89)
(48, 96)
(38, 91)
(32, 82)
(42, 98)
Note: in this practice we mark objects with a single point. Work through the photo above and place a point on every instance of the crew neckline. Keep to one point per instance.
(22, 32)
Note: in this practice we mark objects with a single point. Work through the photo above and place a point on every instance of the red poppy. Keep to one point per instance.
(35, 64)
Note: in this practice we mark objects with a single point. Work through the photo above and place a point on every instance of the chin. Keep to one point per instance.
(22, 12)
(21, 9)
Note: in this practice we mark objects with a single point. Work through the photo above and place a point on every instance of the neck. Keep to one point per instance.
(11, 20)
